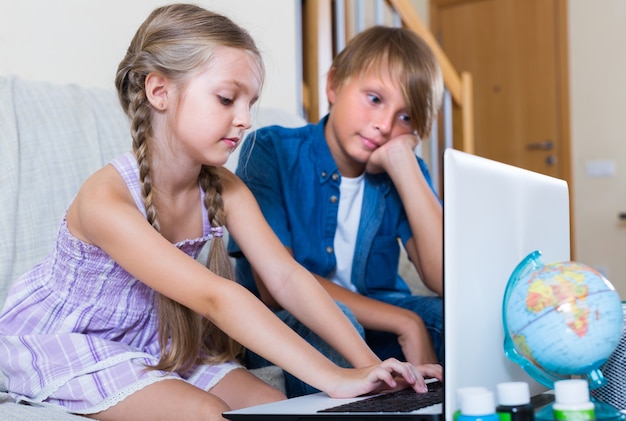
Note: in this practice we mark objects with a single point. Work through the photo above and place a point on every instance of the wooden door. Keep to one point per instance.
(516, 51)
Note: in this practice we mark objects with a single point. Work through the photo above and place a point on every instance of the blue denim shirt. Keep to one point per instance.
(295, 180)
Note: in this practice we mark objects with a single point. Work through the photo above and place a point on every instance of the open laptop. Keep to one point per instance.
(494, 215)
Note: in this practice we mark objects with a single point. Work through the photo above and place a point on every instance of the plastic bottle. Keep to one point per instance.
(572, 401)
(460, 395)
(514, 402)
(478, 406)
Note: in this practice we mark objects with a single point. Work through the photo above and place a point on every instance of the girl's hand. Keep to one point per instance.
(390, 374)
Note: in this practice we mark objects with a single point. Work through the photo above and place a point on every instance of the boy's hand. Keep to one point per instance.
(390, 154)
(416, 343)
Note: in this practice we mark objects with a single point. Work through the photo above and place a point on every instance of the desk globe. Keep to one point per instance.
(561, 320)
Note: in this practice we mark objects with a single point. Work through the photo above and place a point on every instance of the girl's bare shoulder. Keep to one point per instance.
(105, 184)
(101, 196)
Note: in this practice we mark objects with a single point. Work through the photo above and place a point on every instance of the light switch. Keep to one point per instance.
(600, 168)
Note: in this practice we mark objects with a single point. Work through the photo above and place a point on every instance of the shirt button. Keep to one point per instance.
(333, 199)
(329, 249)
(335, 176)
(323, 174)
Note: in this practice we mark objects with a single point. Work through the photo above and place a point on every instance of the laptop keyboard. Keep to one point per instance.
(405, 400)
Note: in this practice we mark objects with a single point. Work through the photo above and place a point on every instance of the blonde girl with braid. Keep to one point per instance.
(121, 322)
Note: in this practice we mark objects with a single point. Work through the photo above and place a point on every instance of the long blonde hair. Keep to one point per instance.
(174, 41)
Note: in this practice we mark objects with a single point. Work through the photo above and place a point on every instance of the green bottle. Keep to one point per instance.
(572, 401)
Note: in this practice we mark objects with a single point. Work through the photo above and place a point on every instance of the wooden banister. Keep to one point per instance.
(317, 55)
(412, 20)
(467, 107)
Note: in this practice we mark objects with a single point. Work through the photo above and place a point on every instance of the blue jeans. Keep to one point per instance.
(384, 344)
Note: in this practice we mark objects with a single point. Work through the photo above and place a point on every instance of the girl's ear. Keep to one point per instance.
(156, 91)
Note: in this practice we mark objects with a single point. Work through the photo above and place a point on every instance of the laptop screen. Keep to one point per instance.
(494, 216)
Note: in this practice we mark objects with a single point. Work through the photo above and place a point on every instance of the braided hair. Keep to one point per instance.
(174, 41)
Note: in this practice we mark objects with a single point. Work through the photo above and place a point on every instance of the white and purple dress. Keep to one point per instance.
(77, 331)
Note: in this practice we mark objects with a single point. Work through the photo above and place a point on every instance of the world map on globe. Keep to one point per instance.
(560, 319)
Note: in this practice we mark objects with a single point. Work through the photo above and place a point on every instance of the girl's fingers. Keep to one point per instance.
(413, 375)
(384, 372)
(431, 370)
(407, 371)
(393, 374)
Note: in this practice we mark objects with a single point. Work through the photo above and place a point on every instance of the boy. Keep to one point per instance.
(340, 193)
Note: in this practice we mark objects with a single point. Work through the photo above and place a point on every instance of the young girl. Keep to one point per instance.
(120, 321)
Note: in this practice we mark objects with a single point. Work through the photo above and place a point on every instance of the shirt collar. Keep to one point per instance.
(323, 161)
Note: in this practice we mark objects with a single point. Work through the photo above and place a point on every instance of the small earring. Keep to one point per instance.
(161, 106)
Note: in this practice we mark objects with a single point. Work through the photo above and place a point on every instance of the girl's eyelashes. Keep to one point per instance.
(224, 101)
(229, 101)
(253, 102)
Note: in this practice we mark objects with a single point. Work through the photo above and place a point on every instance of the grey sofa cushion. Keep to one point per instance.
(51, 138)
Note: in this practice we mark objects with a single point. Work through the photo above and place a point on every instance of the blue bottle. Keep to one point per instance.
(479, 406)
(463, 393)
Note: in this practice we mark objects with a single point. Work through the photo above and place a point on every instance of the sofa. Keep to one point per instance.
(52, 137)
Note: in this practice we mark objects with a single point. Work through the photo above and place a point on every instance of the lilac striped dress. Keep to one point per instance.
(77, 330)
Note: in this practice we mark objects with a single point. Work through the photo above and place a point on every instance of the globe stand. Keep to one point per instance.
(603, 411)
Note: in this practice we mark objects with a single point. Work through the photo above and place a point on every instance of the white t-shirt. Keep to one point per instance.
(348, 217)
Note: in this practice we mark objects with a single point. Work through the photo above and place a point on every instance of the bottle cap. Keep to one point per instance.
(513, 393)
(571, 391)
(462, 392)
(478, 403)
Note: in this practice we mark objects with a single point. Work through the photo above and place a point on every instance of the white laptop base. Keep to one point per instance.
(307, 407)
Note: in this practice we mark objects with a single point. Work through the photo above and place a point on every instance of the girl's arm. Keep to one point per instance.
(291, 285)
(105, 215)
(425, 248)
(375, 315)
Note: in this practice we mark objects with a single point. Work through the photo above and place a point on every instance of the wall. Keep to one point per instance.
(597, 32)
(77, 41)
